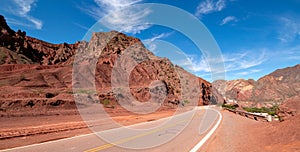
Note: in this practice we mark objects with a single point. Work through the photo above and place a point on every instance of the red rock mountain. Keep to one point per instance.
(279, 87)
(275, 87)
(38, 75)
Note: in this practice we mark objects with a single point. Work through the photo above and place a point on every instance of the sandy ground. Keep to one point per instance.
(238, 133)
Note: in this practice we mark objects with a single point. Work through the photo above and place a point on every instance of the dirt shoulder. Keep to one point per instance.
(238, 133)
(21, 131)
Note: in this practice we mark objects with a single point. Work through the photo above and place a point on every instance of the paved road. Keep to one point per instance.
(178, 133)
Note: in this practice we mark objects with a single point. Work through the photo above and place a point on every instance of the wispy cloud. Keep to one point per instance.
(192, 63)
(22, 9)
(289, 29)
(245, 60)
(228, 19)
(17, 22)
(232, 62)
(81, 26)
(289, 53)
(121, 17)
(247, 72)
(210, 6)
(150, 42)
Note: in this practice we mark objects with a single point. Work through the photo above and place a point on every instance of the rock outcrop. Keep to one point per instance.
(289, 108)
(25, 49)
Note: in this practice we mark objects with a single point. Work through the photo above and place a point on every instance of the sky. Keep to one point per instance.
(254, 37)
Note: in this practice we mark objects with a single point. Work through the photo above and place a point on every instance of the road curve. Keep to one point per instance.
(181, 133)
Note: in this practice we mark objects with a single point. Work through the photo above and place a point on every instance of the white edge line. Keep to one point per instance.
(208, 135)
(94, 133)
(163, 119)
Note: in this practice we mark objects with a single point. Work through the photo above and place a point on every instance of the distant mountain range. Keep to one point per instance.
(274, 87)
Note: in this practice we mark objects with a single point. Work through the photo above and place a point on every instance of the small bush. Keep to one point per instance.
(233, 107)
(105, 102)
(186, 101)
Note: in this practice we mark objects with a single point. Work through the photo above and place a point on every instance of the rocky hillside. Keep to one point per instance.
(17, 48)
(279, 87)
(275, 87)
(38, 75)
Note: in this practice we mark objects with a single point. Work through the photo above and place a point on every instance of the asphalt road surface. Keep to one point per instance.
(182, 132)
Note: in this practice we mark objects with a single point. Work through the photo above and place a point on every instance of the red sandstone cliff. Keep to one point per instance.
(38, 75)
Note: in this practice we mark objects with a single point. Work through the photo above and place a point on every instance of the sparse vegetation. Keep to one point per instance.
(186, 101)
(69, 91)
(270, 111)
(2, 57)
(107, 103)
(229, 106)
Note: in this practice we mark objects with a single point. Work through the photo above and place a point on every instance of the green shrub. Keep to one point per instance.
(105, 102)
(233, 107)
(186, 101)
(270, 111)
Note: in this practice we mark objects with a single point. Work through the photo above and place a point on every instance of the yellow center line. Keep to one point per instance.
(135, 137)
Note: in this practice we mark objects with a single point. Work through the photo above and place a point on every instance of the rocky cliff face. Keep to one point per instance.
(280, 87)
(275, 87)
(34, 73)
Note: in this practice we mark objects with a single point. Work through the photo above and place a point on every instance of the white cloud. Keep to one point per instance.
(23, 7)
(232, 62)
(116, 4)
(209, 6)
(160, 36)
(289, 29)
(247, 72)
(245, 60)
(228, 19)
(150, 42)
(196, 65)
(121, 18)
(287, 53)
(16, 22)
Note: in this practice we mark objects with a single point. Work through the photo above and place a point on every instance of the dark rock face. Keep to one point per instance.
(5, 29)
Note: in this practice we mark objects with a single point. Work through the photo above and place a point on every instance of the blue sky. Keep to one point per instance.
(255, 37)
